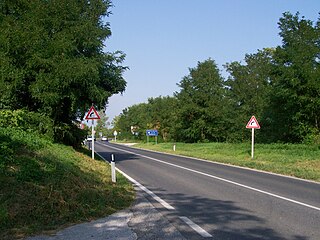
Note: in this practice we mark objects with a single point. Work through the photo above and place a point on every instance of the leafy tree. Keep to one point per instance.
(163, 111)
(248, 89)
(158, 113)
(201, 103)
(295, 98)
(137, 117)
(52, 59)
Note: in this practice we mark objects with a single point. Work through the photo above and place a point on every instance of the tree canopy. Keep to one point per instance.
(295, 99)
(201, 111)
(52, 57)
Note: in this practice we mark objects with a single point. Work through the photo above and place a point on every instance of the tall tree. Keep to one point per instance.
(52, 58)
(135, 117)
(249, 86)
(202, 109)
(296, 85)
(163, 111)
(159, 113)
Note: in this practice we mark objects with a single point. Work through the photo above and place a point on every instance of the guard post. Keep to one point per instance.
(113, 169)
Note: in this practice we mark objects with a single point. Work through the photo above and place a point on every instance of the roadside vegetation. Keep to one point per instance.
(52, 70)
(298, 160)
(46, 186)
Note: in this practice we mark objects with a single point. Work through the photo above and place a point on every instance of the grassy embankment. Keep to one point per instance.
(302, 161)
(46, 186)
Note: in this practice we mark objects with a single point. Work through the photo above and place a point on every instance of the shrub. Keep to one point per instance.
(69, 134)
(27, 121)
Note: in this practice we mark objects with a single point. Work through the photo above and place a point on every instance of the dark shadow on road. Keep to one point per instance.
(223, 219)
(119, 157)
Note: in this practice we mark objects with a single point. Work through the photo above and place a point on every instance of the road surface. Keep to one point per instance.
(209, 200)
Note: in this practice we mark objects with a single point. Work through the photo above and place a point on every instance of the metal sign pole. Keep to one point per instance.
(252, 144)
(92, 133)
(92, 115)
(253, 123)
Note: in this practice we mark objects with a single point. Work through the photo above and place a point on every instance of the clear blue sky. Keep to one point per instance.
(164, 38)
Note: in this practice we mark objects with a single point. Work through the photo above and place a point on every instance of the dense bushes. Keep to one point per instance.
(52, 60)
(42, 125)
(27, 121)
(69, 134)
(20, 133)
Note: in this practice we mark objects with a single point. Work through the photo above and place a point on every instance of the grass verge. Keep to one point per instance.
(298, 160)
(46, 186)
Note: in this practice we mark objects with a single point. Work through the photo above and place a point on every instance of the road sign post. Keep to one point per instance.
(152, 133)
(253, 124)
(92, 115)
(92, 138)
(252, 143)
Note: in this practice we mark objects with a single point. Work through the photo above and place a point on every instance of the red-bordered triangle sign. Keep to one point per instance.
(92, 114)
(253, 123)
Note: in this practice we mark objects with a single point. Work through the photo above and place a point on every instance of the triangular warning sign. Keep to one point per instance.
(253, 123)
(92, 114)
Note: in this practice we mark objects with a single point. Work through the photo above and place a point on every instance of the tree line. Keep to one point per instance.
(280, 86)
(53, 61)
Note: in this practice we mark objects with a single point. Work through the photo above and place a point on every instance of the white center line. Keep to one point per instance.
(222, 179)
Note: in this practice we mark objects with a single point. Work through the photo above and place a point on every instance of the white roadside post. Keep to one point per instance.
(92, 115)
(113, 169)
(115, 133)
(253, 124)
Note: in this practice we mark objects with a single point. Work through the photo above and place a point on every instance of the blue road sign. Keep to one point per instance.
(152, 133)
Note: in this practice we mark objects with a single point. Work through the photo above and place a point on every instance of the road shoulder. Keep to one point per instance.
(141, 221)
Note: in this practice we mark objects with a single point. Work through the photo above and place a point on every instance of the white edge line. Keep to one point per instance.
(190, 223)
(196, 227)
(224, 180)
(154, 196)
(225, 164)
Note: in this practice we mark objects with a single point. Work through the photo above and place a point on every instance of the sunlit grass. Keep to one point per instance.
(302, 161)
(51, 185)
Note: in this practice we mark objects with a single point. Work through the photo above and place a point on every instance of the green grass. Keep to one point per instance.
(298, 160)
(46, 186)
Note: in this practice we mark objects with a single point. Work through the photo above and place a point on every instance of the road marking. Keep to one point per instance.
(196, 227)
(222, 179)
(193, 225)
(154, 196)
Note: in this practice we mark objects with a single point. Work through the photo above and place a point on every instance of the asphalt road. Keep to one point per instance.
(204, 199)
